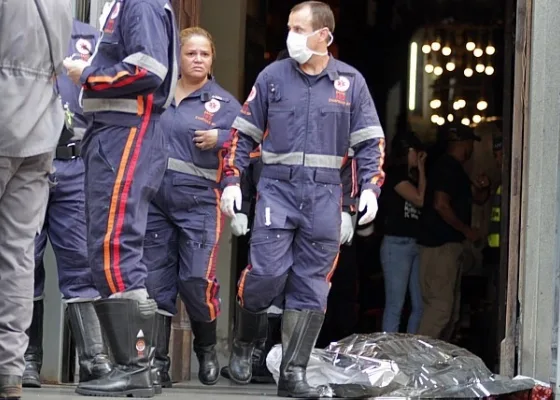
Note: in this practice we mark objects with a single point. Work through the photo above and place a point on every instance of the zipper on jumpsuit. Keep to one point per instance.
(306, 132)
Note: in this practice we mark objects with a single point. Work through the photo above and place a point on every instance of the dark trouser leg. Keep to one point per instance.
(200, 222)
(205, 349)
(131, 163)
(161, 258)
(316, 247)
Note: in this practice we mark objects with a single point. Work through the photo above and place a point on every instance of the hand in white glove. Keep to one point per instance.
(74, 68)
(239, 225)
(346, 228)
(231, 196)
(368, 202)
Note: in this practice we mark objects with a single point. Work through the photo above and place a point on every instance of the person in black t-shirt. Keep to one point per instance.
(401, 199)
(444, 225)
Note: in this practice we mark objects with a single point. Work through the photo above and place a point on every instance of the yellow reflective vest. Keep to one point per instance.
(494, 230)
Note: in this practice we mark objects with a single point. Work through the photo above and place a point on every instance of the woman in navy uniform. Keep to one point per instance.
(185, 221)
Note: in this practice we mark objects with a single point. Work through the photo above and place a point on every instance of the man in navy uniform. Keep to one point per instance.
(127, 86)
(314, 109)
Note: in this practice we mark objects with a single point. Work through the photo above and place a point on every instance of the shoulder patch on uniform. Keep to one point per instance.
(342, 84)
(84, 46)
(253, 94)
(212, 106)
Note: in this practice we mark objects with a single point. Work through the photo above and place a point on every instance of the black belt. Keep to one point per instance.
(69, 151)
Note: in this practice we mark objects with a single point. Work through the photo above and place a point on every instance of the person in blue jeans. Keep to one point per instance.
(401, 200)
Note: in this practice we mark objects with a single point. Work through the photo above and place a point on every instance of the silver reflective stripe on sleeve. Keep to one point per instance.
(175, 66)
(148, 63)
(297, 158)
(361, 135)
(248, 128)
(120, 105)
(189, 168)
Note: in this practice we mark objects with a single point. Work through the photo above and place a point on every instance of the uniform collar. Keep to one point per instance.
(331, 70)
(204, 93)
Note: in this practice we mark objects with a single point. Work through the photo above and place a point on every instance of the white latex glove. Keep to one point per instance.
(74, 68)
(346, 228)
(231, 196)
(70, 63)
(239, 225)
(368, 202)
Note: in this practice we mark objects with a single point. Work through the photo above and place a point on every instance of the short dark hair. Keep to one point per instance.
(321, 14)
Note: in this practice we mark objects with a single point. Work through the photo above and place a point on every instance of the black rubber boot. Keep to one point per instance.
(92, 353)
(300, 330)
(261, 374)
(250, 328)
(162, 361)
(154, 371)
(128, 326)
(204, 345)
(34, 352)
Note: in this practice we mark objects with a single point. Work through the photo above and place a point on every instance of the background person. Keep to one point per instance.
(400, 204)
(445, 224)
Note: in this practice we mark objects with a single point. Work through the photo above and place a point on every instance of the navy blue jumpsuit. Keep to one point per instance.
(129, 84)
(311, 124)
(185, 221)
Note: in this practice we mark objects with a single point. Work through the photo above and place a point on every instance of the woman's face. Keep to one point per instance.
(412, 158)
(196, 57)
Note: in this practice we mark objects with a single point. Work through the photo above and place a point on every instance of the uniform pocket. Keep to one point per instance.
(334, 119)
(280, 123)
(327, 214)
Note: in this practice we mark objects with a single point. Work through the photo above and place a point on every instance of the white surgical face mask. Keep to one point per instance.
(297, 46)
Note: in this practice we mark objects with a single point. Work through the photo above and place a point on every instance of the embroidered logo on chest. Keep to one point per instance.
(341, 86)
(211, 107)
